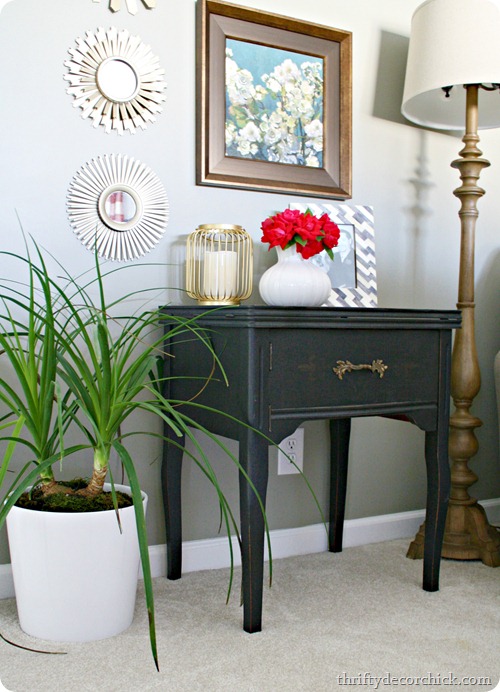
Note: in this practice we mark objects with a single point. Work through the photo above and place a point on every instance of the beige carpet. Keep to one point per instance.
(329, 620)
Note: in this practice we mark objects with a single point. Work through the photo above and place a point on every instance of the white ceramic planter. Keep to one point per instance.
(75, 575)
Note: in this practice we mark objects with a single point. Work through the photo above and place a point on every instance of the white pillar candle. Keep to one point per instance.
(220, 274)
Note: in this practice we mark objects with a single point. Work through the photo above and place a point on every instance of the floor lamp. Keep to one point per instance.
(453, 83)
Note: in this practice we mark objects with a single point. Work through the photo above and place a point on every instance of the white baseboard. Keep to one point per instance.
(213, 553)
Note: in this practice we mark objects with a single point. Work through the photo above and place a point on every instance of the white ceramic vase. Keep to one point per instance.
(75, 575)
(294, 282)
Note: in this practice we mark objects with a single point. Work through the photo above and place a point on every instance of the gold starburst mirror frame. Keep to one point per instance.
(116, 80)
(118, 206)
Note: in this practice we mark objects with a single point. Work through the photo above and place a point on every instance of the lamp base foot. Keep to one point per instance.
(468, 536)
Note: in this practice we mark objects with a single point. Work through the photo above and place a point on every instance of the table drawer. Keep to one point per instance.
(333, 368)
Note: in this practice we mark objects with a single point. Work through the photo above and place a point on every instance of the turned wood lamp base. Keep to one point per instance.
(468, 536)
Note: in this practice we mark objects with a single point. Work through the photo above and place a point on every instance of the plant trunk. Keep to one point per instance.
(96, 483)
(51, 487)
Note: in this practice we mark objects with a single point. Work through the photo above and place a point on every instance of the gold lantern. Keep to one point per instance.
(219, 264)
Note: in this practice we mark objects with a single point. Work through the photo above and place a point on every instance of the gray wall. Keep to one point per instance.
(402, 171)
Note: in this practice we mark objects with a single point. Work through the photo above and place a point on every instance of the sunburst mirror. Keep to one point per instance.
(116, 80)
(115, 5)
(118, 206)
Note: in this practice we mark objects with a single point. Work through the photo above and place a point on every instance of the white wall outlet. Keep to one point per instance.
(291, 453)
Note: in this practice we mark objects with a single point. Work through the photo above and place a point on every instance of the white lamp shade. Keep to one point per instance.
(452, 43)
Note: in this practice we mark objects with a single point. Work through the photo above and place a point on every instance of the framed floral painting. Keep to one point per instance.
(352, 272)
(273, 103)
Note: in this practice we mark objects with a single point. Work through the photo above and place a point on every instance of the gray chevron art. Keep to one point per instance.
(353, 272)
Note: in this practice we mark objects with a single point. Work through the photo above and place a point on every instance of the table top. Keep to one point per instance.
(266, 316)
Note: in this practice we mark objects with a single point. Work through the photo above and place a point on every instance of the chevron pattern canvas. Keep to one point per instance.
(356, 285)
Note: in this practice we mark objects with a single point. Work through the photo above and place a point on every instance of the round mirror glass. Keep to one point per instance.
(117, 80)
(120, 207)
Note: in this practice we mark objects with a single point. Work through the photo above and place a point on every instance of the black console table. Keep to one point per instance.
(345, 363)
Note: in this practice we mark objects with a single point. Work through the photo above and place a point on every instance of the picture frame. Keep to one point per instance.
(354, 277)
(310, 154)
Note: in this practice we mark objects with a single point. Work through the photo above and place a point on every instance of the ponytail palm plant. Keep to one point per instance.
(29, 341)
(79, 366)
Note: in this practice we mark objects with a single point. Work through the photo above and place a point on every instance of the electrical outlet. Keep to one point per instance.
(291, 453)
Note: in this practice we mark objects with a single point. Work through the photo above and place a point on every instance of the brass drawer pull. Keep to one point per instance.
(344, 366)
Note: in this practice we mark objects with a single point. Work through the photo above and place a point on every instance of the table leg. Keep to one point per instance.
(340, 431)
(253, 457)
(438, 491)
(171, 488)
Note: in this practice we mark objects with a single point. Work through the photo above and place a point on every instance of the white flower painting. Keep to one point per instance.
(274, 105)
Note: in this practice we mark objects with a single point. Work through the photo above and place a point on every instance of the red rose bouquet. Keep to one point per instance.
(310, 234)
